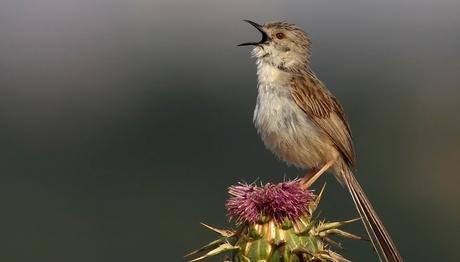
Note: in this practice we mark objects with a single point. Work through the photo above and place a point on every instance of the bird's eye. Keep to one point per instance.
(280, 35)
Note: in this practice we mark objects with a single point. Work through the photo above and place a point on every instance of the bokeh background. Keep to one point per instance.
(122, 123)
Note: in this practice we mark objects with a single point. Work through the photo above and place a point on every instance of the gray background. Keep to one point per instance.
(123, 122)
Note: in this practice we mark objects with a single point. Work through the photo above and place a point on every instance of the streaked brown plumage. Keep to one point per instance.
(321, 106)
(303, 123)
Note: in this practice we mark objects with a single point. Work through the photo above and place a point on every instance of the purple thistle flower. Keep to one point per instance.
(287, 200)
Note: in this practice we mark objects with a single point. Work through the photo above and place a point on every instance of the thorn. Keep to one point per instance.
(339, 233)
(335, 243)
(332, 225)
(218, 250)
(206, 247)
(334, 257)
(222, 232)
(321, 192)
(317, 199)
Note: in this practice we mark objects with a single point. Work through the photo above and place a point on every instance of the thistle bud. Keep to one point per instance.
(274, 222)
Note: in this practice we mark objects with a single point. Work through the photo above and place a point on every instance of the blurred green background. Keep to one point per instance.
(122, 123)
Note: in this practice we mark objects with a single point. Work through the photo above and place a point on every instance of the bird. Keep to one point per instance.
(303, 123)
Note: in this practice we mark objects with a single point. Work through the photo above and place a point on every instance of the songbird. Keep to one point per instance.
(302, 123)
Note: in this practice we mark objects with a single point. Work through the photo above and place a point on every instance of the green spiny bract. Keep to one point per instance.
(296, 239)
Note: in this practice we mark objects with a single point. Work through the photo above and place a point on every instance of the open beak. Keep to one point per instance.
(264, 39)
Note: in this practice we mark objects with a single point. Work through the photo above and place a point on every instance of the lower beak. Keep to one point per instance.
(264, 39)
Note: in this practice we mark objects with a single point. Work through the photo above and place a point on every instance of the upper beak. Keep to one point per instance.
(264, 39)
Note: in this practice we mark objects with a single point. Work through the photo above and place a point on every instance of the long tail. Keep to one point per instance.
(380, 238)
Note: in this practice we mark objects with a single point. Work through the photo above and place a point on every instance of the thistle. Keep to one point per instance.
(275, 222)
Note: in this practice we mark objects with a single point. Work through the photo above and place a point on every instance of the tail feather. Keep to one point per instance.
(379, 237)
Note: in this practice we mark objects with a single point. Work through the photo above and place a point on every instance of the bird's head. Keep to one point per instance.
(283, 45)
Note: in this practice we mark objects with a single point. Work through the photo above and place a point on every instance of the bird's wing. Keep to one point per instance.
(325, 111)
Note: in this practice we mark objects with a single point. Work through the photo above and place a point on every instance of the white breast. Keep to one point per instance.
(285, 129)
